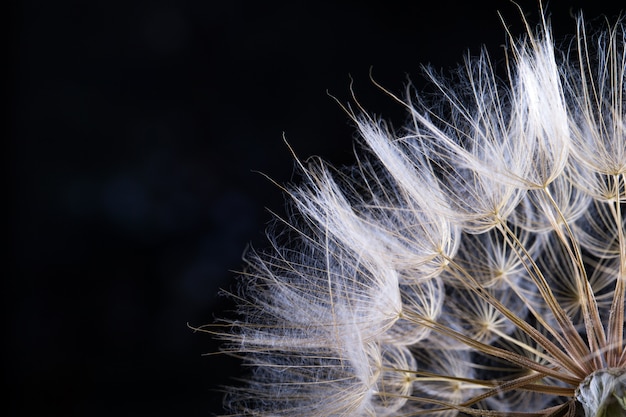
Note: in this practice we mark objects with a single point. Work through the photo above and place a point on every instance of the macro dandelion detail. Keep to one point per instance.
(472, 263)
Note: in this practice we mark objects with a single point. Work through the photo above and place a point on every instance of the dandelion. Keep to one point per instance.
(473, 263)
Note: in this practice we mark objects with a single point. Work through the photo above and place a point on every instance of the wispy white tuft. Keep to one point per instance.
(472, 263)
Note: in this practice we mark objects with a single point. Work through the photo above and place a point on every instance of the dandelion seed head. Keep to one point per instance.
(472, 263)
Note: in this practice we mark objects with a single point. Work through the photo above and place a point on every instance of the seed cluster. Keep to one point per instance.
(471, 263)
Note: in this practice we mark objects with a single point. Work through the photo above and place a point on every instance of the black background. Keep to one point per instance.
(135, 128)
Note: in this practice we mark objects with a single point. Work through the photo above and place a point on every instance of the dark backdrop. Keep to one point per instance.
(135, 128)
